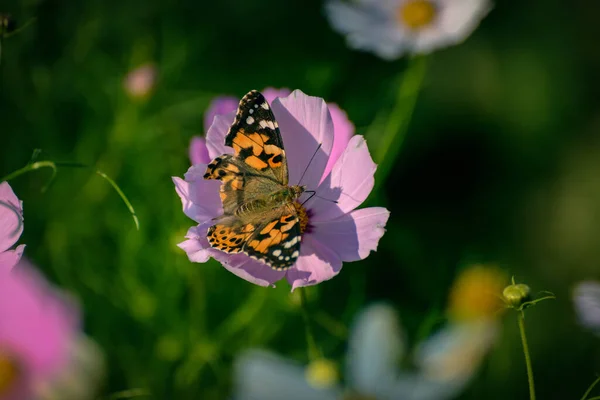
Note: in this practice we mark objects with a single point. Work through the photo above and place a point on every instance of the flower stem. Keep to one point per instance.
(54, 166)
(394, 131)
(521, 320)
(589, 390)
(313, 351)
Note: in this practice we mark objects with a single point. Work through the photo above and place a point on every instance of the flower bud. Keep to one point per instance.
(516, 294)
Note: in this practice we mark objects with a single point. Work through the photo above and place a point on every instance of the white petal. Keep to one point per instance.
(374, 350)
(455, 353)
(586, 297)
(260, 375)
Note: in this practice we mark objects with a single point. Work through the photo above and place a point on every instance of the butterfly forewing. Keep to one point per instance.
(256, 139)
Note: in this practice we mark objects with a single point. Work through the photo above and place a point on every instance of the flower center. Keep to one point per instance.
(9, 373)
(416, 14)
(321, 374)
(302, 215)
(476, 293)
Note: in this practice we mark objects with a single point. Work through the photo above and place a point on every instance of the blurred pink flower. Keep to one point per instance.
(38, 325)
(140, 81)
(336, 232)
(11, 227)
(342, 127)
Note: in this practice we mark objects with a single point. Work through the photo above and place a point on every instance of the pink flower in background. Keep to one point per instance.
(38, 325)
(336, 232)
(140, 81)
(343, 128)
(11, 227)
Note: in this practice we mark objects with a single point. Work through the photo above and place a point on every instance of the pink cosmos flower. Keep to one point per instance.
(139, 82)
(38, 325)
(343, 128)
(336, 232)
(11, 227)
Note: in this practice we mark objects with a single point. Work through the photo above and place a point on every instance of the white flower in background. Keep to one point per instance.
(447, 361)
(391, 28)
(586, 297)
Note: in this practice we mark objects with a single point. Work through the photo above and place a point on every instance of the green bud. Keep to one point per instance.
(516, 294)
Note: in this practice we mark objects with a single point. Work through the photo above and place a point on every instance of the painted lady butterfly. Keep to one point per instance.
(261, 216)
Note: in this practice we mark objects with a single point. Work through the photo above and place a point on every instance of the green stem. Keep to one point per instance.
(313, 351)
(521, 320)
(394, 131)
(54, 166)
(587, 392)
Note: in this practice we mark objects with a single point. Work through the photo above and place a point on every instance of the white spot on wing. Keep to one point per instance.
(267, 124)
(295, 254)
(265, 105)
(277, 252)
(291, 242)
(249, 120)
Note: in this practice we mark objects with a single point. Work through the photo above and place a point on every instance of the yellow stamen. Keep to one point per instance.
(302, 215)
(9, 373)
(417, 14)
(321, 373)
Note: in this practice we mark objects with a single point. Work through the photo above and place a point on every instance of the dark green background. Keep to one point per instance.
(500, 165)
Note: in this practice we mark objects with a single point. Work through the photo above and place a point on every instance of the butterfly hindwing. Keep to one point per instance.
(256, 139)
(277, 241)
(228, 237)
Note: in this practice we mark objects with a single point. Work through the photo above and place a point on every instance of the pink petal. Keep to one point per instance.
(11, 217)
(349, 183)
(219, 106)
(200, 197)
(317, 263)
(197, 247)
(272, 93)
(199, 151)
(215, 138)
(353, 236)
(10, 258)
(343, 131)
(305, 122)
(38, 323)
(248, 269)
(199, 250)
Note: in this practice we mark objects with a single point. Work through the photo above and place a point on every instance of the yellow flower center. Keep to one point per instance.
(417, 14)
(476, 293)
(302, 215)
(9, 373)
(321, 374)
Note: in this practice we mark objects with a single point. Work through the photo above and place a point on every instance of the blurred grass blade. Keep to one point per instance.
(129, 394)
(394, 131)
(53, 165)
(587, 392)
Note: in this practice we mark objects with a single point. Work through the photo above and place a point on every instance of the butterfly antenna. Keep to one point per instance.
(314, 194)
(308, 165)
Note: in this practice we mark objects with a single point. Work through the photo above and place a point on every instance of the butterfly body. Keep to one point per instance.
(261, 215)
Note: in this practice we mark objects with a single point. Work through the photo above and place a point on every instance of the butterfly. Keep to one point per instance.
(261, 216)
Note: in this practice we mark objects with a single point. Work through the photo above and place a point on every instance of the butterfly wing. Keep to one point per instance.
(273, 240)
(256, 140)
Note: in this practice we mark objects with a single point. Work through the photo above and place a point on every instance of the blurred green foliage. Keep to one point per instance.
(500, 165)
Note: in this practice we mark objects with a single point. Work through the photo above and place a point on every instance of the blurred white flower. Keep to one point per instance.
(375, 347)
(139, 82)
(391, 28)
(586, 297)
